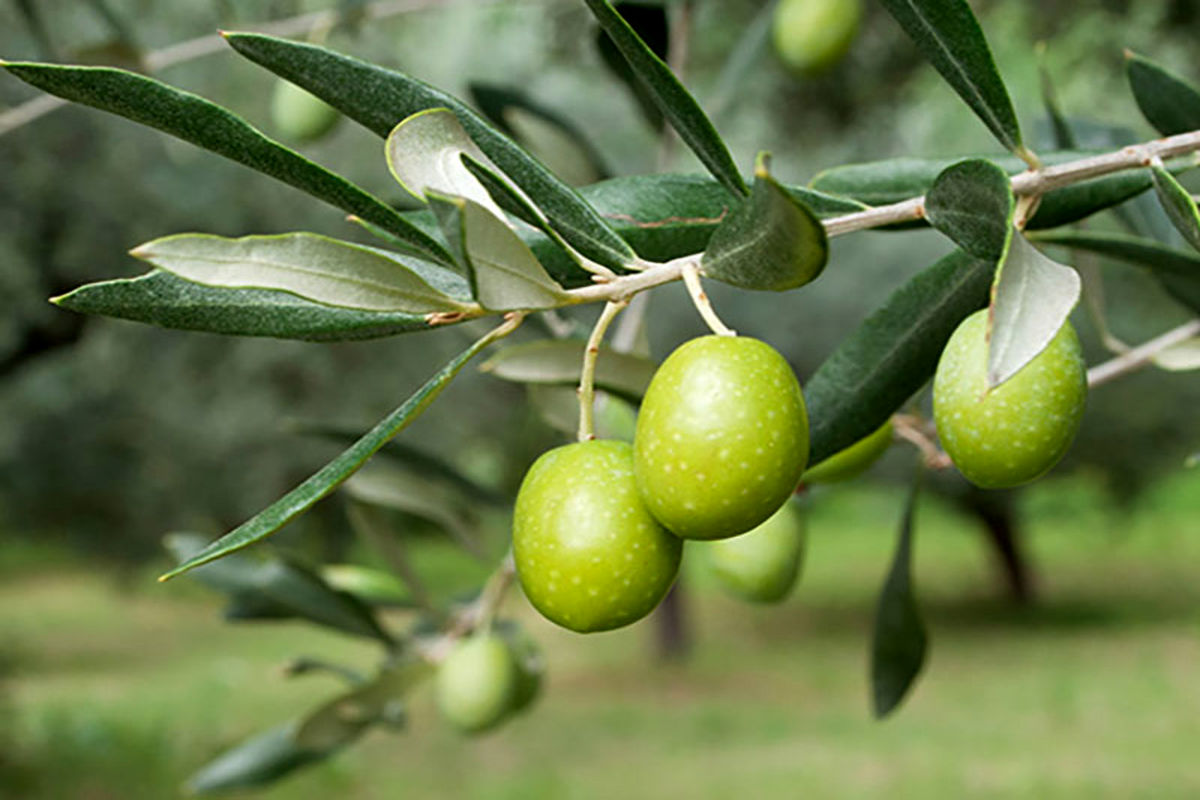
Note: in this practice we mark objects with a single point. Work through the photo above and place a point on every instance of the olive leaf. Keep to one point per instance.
(1179, 205)
(259, 760)
(1031, 299)
(972, 203)
(314, 267)
(1181, 357)
(1167, 101)
(560, 362)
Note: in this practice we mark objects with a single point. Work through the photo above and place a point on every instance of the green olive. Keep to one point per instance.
(476, 684)
(854, 460)
(588, 554)
(1016, 432)
(761, 565)
(300, 116)
(813, 35)
(722, 437)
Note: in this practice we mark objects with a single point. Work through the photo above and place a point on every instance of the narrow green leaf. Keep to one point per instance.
(561, 362)
(972, 203)
(899, 642)
(505, 273)
(1167, 101)
(771, 242)
(344, 718)
(314, 267)
(653, 26)
(892, 353)
(1031, 300)
(424, 153)
(280, 588)
(506, 196)
(558, 142)
(677, 105)
(211, 127)
(329, 477)
(379, 98)
(1178, 204)
(258, 761)
(160, 298)
(1177, 270)
(947, 33)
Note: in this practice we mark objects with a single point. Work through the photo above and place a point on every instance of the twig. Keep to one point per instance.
(921, 434)
(1141, 355)
(587, 378)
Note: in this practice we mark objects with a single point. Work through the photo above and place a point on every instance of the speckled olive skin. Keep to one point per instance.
(722, 437)
(300, 116)
(761, 565)
(854, 460)
(476, 685)
(588, 554)
(1018, 431)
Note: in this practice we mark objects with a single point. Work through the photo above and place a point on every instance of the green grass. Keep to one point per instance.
(1093, 694)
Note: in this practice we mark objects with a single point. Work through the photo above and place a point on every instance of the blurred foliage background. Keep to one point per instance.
(116, 433)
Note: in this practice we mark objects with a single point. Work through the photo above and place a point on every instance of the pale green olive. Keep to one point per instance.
(761, 565)
(813, 35)
(300, 116)
(1016, 432)
(854, 460)
(588, 554)
(722, 437)
(476, 685)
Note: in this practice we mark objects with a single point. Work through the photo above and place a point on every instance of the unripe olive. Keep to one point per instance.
(761, 565)
(1019, 430)
(300, 116)
(813, 35)
(854, 460)
(722, 437)
(476, 684)
(588, 554)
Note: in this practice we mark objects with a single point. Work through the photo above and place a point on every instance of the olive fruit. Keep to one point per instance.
(813, 35)
(721, 438)
(300, 116)
(476, 685)
(588, 554)
(854, 460)
(1020, 429)
(761, 565)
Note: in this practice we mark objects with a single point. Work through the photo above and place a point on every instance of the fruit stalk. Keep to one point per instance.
(587, 377)
(691, 278)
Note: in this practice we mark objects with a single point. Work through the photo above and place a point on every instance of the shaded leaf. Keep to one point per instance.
(677, 105)
(405, 491)
(1167, 101)
(379, 98)
(1178, 204)
(160, 298)
(329, 477)
(771, 242)
(505, 274)
(558, 406)
(972, 203)
(344, 718)
(1031, 300)
(207, 125)
(424, 153)
(949, 36)
(892, 353)
(899, 642)
(258, 761)
(314, 267)
(561, 362)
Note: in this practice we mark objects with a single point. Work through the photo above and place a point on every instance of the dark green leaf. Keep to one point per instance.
(1167, 101)
(899, 642)
(947, 33)
(505, 196)
(1179, 205)
(677, 105)
(160, 298)
(892, 353)
(256, 762)
(344, 718)
(315, 267)
(505, 273)
(329, 477)
(652, 25)
(1177, 270)
(561, 362)
(972, 203)
(771, 242)
(207, 125)
(379, 98)
(277, 587)
(512, 110)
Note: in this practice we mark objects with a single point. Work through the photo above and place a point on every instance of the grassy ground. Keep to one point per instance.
(1096, 693)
